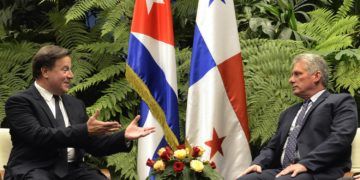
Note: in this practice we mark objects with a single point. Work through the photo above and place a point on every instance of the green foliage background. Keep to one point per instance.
(271, 33)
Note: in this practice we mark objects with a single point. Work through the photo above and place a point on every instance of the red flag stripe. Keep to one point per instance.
(232, 75)
(157, 23)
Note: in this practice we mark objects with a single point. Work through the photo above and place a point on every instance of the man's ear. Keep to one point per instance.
(317, 77)
(44, 72)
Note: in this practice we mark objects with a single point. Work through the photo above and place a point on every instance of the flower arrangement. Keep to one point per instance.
(182, 163)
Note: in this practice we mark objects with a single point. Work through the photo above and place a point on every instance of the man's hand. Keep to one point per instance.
(295, 169)
(133, 131)
(357, 177)
(252, 168)
(96, 127)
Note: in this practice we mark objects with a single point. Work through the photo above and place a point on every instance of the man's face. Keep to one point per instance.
(304, 84)
(58, 78)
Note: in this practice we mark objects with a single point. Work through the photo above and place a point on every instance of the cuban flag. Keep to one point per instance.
(151, 70)
(216, 116)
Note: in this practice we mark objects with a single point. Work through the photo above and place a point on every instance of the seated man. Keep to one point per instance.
(51, 131)
(313, 138)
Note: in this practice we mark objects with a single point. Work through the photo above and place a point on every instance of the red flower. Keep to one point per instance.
(213, 165)
(178, 166)
(168, 150)
(196, 152)
(181, 146)
(150, 163)
(165, 156)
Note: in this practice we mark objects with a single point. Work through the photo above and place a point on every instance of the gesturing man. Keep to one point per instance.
(51, 131)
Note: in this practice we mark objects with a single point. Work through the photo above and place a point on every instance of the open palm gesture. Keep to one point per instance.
(133, 131)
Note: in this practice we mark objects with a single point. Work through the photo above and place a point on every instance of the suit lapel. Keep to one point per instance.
(315, 104)
(289, 120)
(70, 111)
(44, 106)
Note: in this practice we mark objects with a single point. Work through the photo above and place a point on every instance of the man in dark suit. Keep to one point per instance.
(51, 131)
(313, 138)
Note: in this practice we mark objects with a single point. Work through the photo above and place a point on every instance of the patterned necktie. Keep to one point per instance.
(61, 166)
(290, 149)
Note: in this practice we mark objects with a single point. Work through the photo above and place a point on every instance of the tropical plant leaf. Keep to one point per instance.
(268, 92)
(78, 10)
(344, 9)
(124, 164)
(104, 75)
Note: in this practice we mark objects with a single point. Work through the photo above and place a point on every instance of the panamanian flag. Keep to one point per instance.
(151, 70)
(216, 116)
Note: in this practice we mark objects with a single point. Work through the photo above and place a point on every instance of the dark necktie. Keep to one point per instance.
(59, 117)
(290, 149)
(61, 166)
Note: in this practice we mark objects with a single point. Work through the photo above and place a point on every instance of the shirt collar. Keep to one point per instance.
(43, 92)
(317, 95)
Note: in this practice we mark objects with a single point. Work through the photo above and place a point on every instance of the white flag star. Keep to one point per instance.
(149, 4)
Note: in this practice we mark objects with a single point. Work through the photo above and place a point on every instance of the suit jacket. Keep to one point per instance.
(324, 142)
(39, 141)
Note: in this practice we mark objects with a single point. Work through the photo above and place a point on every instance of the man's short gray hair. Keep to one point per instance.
(314, 63)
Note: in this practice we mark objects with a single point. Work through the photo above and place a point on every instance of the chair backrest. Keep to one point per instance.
(355, 154)
(5, 147)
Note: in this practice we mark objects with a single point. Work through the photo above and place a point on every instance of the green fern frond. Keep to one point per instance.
(107, 4)
(114, 100)
(121, 34)
(124, 164)
(253, 46)
(16, 53)
(268, 92)
(81, 67)
(112, 19)
(343, 26)
(317, 28)
(71, 34)
(52, 1)
(185, 8)
(104, 75)
(347, 76)
(344, 9)
(15, 68)
(334, 43)
(99, 48)
(322, 16)
(81, 7)
(78, 10)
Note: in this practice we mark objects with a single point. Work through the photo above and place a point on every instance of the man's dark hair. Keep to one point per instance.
(46, 57)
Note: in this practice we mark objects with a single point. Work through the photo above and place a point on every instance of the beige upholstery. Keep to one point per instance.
(355, 154)
(5, 144)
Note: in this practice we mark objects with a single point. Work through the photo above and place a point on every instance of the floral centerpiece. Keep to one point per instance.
(182, 163)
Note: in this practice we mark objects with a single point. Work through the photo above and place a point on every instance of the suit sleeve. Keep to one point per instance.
(108, 144)
(103, 145)
(24, 124)
(343, 130)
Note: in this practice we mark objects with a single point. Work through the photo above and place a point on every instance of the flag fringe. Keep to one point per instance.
(141, 88)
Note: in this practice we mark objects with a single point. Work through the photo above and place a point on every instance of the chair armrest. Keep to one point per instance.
(105, 172)
(349, 174)
(2, 172)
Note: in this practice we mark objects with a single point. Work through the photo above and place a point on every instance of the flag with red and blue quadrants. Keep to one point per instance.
(216, 116)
